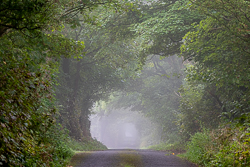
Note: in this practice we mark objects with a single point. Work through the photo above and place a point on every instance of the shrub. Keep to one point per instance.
(221, 147)
(231, 147)
(196, 147)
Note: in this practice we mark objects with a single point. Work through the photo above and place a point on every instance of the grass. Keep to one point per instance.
(176, 148)
(196, 148)
(223, 147)
(82, 149)
(85, 145)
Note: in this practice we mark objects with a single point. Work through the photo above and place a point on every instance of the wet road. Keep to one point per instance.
(128, 158)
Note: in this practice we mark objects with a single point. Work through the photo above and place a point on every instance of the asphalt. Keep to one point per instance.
(128, 158)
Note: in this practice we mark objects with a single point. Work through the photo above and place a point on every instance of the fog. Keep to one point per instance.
(123, 129)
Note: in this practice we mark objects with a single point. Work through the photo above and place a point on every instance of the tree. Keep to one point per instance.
(31, 46)
(154, 94)
(158, 33)
(162, 26)
(199, 106)
(93, 77)
(35, 15)
(27, 105)
(26, 15)
(220, 49)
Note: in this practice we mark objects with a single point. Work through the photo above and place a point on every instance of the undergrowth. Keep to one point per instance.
(225, 147)
(176, 147)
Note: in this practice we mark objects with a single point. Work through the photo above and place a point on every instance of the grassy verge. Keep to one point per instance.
(176, 148)
(82, 149)
(85, 145)
(225, 147)
(221, 147)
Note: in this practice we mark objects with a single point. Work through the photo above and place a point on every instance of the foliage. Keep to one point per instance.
(231, 147)
(214, 40)
(32, 43)
(220, 147)
(22, 90)
(32, 15)
(102, 70)
(29, 52)
(199, 106)
(162, 26)
(28, 67)
(26, 15)
(153, 94)
(196, 148)
(56, 151)
(158, 34)
(220, 48)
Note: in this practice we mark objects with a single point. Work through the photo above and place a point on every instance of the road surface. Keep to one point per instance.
(128, 158)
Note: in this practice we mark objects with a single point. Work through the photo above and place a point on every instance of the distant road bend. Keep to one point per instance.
(128, 158)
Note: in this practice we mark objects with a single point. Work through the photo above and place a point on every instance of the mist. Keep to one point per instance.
(123, 129)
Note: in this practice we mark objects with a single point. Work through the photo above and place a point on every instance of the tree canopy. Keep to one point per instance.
(183, 64)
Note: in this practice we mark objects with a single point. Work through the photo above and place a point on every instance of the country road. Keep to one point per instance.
(128, 158)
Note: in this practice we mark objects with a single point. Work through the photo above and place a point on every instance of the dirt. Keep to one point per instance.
(128, 158)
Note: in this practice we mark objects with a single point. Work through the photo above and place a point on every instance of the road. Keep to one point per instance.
(128, 158)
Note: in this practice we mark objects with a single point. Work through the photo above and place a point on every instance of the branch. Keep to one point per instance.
(179, 95)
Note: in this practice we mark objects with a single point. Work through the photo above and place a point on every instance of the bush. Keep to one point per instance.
(196, 147)
(231, 147)
(221, 147)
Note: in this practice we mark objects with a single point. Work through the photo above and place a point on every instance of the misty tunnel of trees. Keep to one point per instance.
(174, 75)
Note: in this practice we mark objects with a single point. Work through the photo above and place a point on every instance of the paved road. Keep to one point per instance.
(128, 158)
